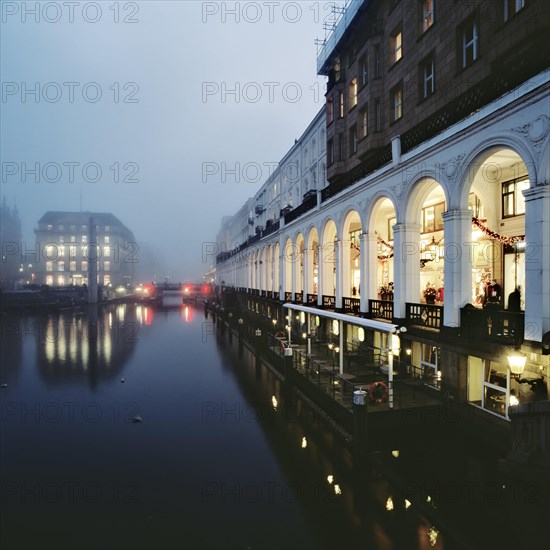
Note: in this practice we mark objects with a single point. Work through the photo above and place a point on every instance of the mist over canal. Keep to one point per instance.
(132, 427)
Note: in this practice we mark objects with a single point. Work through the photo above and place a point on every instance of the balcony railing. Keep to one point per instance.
(329, 302)
(377, 158)
(492, 324)
(312, 300)
(424, 315)
(381, 309)
(351, 305)
(271, 228)
(308, 204)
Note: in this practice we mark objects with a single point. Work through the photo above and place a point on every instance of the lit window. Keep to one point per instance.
(427, 76)
(427, 14)
(397, 102)
(61, 266)
(72, 265)
(49, 266)
(337, 70)
(60, 280)
(50, 227)
(396, 46)
(469, 42)
(513, 202)
(49, 280)
(341, 104)
(73, 238)
(353, 93)
(84, 265)
(106, 265)
(106, 239)
(84, 239)
(61, 251)
(106, 279)
(106, 252)
(511, 7)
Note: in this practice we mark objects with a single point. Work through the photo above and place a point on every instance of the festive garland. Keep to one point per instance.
(475, 221)
(382, 241)
(497, 236)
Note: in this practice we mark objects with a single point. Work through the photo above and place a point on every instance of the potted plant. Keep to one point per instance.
(386, 291)
(430, 293)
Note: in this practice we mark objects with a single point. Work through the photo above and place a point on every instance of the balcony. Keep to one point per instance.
(312, 300)
(381, 309)
(424, 315)
(308, 204)
(351, 305)
(494, 325)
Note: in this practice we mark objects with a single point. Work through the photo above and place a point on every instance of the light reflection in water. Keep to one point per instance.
(95, 342)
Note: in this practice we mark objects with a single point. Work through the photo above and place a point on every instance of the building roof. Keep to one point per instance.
(81, 218)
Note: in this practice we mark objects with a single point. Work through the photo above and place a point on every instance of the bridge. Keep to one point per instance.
(172, 295)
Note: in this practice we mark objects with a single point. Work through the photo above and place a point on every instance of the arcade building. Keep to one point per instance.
(430, 207)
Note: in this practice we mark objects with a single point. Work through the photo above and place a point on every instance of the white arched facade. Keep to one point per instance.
(334, 250)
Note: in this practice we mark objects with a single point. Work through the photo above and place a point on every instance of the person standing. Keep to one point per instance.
(514, 306)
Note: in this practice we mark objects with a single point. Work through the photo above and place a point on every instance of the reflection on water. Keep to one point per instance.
(227, 455)
(92, 345)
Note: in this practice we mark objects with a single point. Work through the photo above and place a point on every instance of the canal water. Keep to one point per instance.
(133, 427)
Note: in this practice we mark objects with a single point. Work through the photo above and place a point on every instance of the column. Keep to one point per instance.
(282, 274)
(368, 263)
(346, 270)
(406, 266)
(457, 267)
(291, 257)
(307, 285)
(537, 262)
(338, 256)
(320, 274)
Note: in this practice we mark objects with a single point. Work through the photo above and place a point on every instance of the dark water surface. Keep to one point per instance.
(226, 456)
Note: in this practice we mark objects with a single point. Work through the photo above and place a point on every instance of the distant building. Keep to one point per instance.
(10, 233)
(62, 239)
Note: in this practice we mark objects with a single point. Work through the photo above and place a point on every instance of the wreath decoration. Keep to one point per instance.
(378, 392)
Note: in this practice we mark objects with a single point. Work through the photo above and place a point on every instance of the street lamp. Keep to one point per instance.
(395, 348)
(516, 362)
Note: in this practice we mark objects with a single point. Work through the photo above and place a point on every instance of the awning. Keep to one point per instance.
(350, 319)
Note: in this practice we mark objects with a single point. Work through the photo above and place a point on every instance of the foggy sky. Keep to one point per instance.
(161, 123)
